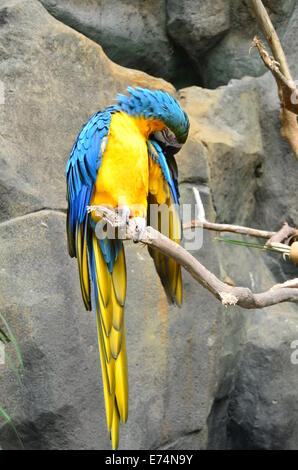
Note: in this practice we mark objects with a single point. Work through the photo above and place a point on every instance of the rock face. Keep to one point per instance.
(186, 42)
(202, 376)
(132, 33)
(56, 80)
(262, 409)
(230, 58)
(233, 143)
(197, 25)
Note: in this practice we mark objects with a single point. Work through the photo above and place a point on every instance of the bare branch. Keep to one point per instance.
(271, 37)
(288, 87)
(283, 235)
(281, 74)
(227, 295)
(228, 228)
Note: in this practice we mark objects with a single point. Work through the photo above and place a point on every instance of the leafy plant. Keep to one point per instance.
(7, 337)
(274, 247)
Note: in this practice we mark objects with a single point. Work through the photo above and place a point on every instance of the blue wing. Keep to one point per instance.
(81, 172)
(168, 167)
(168, 270)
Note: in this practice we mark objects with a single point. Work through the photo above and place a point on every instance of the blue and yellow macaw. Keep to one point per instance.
(124, 153)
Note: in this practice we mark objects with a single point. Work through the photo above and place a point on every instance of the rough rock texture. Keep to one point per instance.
(170, 393)
(261, 412)
(200, 377)
(263, 407)
(132, 33)
(54, 80)
(279, 180)
(185, 41)
(197, 25)
(217, 35)
(226, 121)
(63, 406)
(230, 58)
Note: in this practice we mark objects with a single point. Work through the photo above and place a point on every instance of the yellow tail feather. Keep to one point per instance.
(111, 290)
(115, 428)
(81, 248)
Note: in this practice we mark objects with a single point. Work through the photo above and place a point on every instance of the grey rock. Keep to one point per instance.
(171, 393)
(231, 58)
(203, 376)
(197, 25)
(57, 339)
(259, 410)
(276, 197)
(132, 33)
(217, 36)
(263, 407)
(225, 122)
(187, 42)
(54, 79)
(62, 405)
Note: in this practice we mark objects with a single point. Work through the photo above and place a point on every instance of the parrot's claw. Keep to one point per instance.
(124, 214)
(139, 228)
(138, 223)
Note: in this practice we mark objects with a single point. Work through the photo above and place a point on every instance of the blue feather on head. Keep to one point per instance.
(155, 105)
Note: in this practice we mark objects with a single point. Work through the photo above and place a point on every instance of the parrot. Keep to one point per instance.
(123, 158)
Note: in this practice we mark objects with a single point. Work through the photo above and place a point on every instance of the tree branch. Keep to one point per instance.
(228, 295)
(288, 87)
(242, 230)
(284, 234)
(281, 72)
(271, 36)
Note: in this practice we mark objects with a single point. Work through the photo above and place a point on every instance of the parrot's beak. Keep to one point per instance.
(168, 141)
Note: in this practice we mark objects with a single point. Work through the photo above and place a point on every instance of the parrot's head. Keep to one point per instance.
(158, 106)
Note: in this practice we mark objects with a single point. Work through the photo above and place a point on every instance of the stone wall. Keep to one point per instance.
(202, 376)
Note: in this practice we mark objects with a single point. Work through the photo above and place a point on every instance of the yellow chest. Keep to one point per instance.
(124, 172)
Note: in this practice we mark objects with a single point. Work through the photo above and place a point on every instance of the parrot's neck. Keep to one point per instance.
(145, 126)
(148, 126)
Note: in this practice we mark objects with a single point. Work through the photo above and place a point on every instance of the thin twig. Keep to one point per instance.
(228, 228)
(227, 295)
(283, 234)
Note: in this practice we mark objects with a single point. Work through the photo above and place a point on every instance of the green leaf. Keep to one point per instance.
(5, 415)
(8, 420)
(14, 341)
(14, 369)
(4, 338)
(260, 246)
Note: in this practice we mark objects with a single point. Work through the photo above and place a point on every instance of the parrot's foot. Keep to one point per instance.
(124, 214)
(139, 225)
